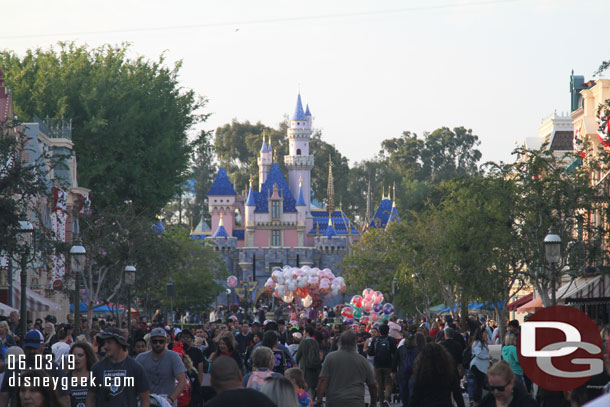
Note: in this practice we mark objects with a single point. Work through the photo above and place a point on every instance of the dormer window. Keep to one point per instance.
(275, 210)
(298, 151)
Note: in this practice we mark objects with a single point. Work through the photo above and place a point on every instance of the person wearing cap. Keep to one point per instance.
(186, 336)
(112, 373)
(33, 347)
(163, 367)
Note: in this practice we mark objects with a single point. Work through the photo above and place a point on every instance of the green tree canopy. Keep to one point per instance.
(130, 117)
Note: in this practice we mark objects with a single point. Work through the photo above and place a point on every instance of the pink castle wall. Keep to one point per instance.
(291, 238)
(261, 238)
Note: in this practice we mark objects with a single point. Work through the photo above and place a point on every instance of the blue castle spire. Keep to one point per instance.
(330, 230)
(264, 146)
(307, 112)
(251, 200)
(301, 200)
(299, 114)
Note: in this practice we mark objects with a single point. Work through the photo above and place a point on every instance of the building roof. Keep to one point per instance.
(330, 231)
(301, 200)
(307, 112)
(299, 114)
(202, 229)
(220, 232)
(264, 146)
(251, 200)
(562, 141)
(275, 177)
(340, 223)
(222, 185)
(386, 212)
(158, 227)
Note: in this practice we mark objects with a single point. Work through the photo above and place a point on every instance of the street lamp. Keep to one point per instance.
(77, 266)
(130, 280)
(25, 240)
(552, 251)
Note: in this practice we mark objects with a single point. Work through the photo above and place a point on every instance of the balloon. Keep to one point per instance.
(378, 307)
(385, 318)
(388, 309)
(357, 313)
(378, 298)
(302, 281)
(347, 312)
(277, 276)
(348, 321)
(367, 305)
(307, 301)
(280, 290)
(288, 298)
(313, 282)
(367, 294)
(364, 320)
(291, 285)
(232, 281)
(301, 293)
(356, 301)
(374, 317)
(269, 285)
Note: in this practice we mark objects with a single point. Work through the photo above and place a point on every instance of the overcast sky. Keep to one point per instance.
(369, 69)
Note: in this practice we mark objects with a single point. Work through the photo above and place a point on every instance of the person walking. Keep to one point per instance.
(84, 359)
(509, 354)
(344, 374)
(505, 391)
(117, 367)
(435, 379)
(383, 350)
(479, 363)
(407, 352)
(163, 368)
(308, 357)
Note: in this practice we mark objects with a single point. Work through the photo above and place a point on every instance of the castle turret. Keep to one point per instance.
(221, 202)
(301, 207)
(265, 160)
(298, 161)
(250, 224)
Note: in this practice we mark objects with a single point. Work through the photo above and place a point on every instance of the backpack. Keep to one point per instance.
(257, 379)
(467, 357)
(406, 365)
(280, 361)
(383, 354)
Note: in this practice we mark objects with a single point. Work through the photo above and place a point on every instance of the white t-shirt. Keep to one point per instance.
(60, 349)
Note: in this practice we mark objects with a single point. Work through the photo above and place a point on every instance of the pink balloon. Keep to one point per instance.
(313, 282)
(378, 297)
(367, 293)
(232, 281)
(367, 305)
(373, 316)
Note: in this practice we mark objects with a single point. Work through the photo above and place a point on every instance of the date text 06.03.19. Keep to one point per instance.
(41, 362)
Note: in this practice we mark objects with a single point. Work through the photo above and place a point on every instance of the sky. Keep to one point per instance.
(368, 69)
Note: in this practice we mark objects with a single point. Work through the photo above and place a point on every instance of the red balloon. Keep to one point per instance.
(347, 312)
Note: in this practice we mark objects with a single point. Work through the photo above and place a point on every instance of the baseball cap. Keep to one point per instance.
(33, 339)
(187, 332)
(256, 323)
(114, 333)
(158, 332)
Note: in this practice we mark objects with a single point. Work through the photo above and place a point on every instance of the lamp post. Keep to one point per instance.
(552, 251)
(130, 280)
(25, 240)
(77, 266)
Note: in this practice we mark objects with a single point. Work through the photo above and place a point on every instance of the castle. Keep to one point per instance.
(278, 224)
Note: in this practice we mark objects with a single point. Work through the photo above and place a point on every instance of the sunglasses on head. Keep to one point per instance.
(158, 340)
(498, 388)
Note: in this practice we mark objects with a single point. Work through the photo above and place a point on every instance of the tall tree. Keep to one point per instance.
(130, 117)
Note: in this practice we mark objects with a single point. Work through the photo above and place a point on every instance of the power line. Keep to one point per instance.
(264, 21)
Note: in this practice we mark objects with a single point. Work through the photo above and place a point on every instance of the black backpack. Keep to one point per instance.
(383, 354)
(467, 357)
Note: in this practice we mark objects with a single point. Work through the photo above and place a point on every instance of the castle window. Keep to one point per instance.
(275, 209)
(298, 151)
(275, 238)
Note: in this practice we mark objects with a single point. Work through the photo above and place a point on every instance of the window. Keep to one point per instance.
(275, 238)
(298, 151)
(275, 209)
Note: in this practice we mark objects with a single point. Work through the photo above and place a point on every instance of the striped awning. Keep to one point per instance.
(6, 310)
(36, 302)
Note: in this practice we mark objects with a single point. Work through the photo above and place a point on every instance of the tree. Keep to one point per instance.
(196, 275)
(130, 117)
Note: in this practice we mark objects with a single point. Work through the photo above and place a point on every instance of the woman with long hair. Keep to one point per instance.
(194, 394)
(282, 359)
(226, 347)
(479, 363)
(36, 396)
(281, 391)
(79, 362)
(435, 379)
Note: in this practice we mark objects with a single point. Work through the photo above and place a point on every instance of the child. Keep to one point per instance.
(297, 377)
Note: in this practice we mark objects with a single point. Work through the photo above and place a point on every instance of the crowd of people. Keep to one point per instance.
(245, 359)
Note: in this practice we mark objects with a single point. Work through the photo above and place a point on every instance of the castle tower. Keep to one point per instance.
(221, 202)
(265, 161)
(249, 221)
(301, 207)
(298, 161)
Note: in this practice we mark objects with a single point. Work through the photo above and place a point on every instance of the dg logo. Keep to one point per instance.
(560, 348)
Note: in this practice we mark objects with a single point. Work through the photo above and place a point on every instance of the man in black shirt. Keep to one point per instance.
(194, 353)
(227, 382)
(243, 338)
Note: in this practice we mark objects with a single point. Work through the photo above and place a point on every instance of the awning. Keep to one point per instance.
(530, 306)
(36, 302)
(521, 301)
(588, 290)
(6, 310)
(437, 308)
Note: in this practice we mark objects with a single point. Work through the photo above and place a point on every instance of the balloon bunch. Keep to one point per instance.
(367, 308)
(305, 283)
